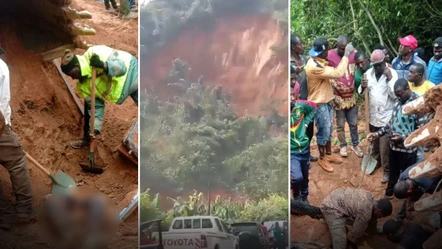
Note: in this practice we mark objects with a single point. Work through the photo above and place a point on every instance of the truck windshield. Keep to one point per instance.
(206, 223)
(252, 228)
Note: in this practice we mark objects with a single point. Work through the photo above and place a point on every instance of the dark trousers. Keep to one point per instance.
(132, 4)
(299, 167)
(399, 161)
(381, 149)
(13, 158)
(86, 120)
(310, 130)
(107, 4)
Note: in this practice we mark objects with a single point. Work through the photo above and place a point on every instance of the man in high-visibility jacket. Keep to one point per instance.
(117, 79)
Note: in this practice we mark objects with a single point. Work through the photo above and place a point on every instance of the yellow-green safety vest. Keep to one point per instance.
(108, 88)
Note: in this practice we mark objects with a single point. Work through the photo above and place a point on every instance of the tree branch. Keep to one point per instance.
(372, 22)
(356, 28)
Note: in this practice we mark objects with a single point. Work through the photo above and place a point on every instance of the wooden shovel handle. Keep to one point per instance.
(94, 76)
(367, 110)
(37, 164)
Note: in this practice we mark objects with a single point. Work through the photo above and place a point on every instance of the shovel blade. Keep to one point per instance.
(63, 183)
(370, 163)
(91, 168)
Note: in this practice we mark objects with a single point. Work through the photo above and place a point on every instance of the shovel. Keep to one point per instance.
(90, 166)
(368, 162)
(60, 182)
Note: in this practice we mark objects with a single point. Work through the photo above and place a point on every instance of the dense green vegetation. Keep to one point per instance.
(273, 207)
(367, 22)
(195, 140)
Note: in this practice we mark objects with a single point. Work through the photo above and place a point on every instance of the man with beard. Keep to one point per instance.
(398, 129)
(435, 64)
(407, 58)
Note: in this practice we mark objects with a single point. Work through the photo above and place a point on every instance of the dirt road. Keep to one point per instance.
(46, 119)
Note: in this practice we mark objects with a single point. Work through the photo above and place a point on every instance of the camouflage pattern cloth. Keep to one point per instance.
(345, 204)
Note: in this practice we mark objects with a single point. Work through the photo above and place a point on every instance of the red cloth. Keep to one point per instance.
(408, 41)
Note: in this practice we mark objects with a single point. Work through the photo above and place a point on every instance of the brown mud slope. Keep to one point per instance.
(347, 174)
(46, 119)
(235, 53)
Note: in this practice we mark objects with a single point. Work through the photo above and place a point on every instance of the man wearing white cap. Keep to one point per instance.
(380, 82)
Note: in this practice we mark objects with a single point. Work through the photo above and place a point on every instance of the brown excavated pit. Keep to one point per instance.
(46, 118)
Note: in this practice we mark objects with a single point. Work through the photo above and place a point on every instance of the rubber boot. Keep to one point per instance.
(328, 155)
(325, 165)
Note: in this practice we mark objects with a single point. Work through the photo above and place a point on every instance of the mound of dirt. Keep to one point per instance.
(46, 119)
(237, 53)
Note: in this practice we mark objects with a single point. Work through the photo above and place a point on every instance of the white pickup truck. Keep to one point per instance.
(198, 232)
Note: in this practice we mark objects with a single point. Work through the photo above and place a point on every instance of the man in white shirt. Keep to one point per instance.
(13, 158)
(380, 82)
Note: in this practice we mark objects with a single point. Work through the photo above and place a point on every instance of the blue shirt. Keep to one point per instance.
(403, 69)
(427, 185)
(435, 71)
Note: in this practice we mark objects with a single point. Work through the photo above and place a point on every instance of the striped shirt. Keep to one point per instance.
(403, 125)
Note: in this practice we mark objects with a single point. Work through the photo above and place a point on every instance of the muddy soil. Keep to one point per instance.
(236, 53)
(46, 119)
(348, 174)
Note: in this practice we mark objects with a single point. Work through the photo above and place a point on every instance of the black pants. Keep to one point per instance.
(86, 124)
(399, 161)
(106, 3)
(310, 129)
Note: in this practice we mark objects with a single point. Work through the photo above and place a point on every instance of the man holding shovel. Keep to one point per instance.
(13, 158)
(116, 80)
(380, 80)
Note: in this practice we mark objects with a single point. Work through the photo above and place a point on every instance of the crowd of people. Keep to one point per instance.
(326, 85)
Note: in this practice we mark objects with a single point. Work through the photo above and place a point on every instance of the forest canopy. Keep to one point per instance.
(195, 140)
(368, 22)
